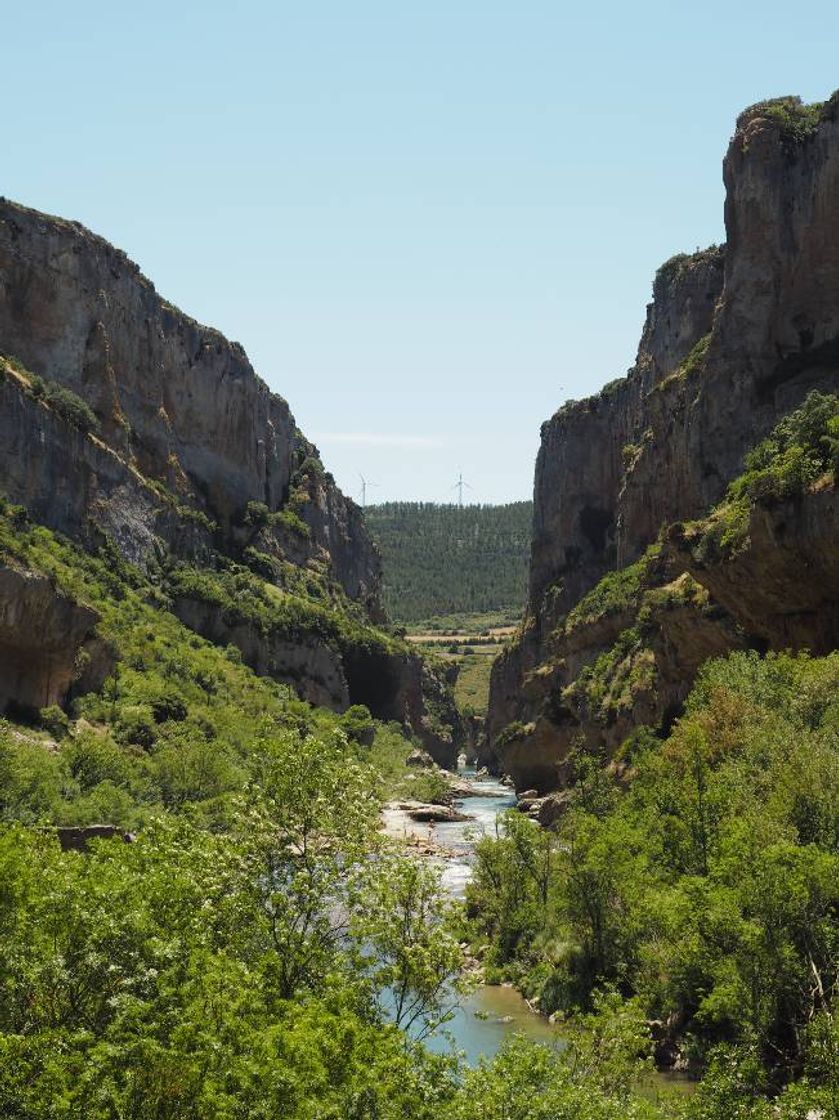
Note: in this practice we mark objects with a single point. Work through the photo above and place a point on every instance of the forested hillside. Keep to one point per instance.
(443, 559)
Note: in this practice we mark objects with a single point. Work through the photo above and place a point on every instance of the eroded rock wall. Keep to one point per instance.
(191, 457)
(48, 643)
(734, 339)
(177, 402)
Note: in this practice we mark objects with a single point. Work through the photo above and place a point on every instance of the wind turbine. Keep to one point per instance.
(459, 487)
(364, 485)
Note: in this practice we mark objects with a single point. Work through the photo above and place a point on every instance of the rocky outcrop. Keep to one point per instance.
(49, 647)
(581, 527)
(435, 814)
(735, 338)
(783, 584)
(77, 838)
(393, 682)
(401, 686)
(74, 483)
(310, 666)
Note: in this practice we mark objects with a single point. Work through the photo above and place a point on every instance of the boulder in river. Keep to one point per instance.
(426, 814)
(464, 789)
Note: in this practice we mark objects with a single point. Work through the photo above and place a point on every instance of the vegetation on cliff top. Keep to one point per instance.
(243, 596)
(675, 266)
(796, 119)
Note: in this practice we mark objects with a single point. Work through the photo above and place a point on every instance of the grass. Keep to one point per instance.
(181, 725)
(617, 591)
(471, 691)
(473, 641)
(610, 684)
(464, 623)
(692, 364)
(243, 596)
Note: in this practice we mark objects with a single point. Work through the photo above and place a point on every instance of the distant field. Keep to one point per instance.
(474, 641)
(465, 624)
(456, 578)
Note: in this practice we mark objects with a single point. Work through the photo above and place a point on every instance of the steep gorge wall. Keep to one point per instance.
(734, 339)
(178, 404)
(190, 457)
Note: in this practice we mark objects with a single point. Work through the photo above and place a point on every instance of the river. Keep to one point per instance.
(491, 1013)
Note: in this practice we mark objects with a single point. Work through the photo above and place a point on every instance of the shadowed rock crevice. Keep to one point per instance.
(49, 648)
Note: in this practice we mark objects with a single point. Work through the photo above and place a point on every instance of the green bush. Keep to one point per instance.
(359, 725)
(708, 888)
(55, 720)
(796, 120)
(512, 732)
(72, 408)
(294, 523)
(618, 591)
(63, 401)
(257, 514)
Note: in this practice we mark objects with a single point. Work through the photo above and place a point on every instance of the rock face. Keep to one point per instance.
(311, 667)
(179, 407)
(735, 338)
(48, 644)
(392, 685)
(585, 520)
(784, 585)
(170, 448)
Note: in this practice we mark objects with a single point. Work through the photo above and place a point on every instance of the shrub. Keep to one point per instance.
(800, 450)
(292, 521)
(136, 726)
(257, 514)
(261, 564)
(55, 720)
(618, 590)
(72, 408)
(358, 724)
(796, 121)
(512, 732)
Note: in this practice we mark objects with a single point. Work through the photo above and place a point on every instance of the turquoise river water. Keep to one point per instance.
(491, 1013)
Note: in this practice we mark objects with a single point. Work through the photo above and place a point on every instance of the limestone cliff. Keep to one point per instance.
(735, 338)
(177, 406)
(125, 424)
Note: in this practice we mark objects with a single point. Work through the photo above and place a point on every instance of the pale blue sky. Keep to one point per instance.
(428, 223)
